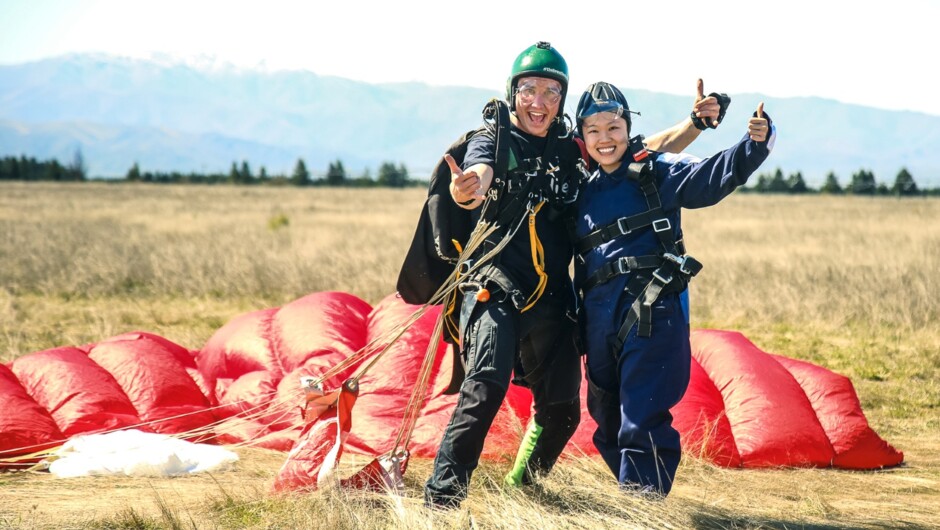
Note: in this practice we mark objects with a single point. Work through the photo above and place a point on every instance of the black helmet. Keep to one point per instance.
(603, 97)
(538, 60)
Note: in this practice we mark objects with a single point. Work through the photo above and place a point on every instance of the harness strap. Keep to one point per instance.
(641, 311)
(538, 259)
(622, 227)
(623, 265)
(451, 326)
(661, 226)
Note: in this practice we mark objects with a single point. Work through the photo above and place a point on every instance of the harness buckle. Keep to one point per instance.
(622, 226)
(531, 167)
(583, 169)
(622, 267)
(661, 225)
(464, 266)
(470, 287)
(682, 261)
(662, 279)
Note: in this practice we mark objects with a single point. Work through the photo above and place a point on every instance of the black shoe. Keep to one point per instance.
(440, 503)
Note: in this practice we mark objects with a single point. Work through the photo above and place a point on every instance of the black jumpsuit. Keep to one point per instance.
(498, 337)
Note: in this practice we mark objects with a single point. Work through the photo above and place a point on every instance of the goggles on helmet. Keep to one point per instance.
(603, 97)
(596, 107)
(527, 93)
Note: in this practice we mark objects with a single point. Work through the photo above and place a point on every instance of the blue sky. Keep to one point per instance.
(881, 55)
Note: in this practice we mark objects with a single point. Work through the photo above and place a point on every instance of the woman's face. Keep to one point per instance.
(606, 136)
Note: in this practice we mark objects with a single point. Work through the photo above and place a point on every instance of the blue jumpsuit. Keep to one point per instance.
(632, 390)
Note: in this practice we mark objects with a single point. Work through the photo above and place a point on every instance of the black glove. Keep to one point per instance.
(723, 102)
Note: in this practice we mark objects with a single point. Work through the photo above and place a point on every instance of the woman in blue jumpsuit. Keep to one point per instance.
(632, 269)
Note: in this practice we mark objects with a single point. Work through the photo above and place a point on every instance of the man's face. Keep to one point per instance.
(606, 136)
(537, 101)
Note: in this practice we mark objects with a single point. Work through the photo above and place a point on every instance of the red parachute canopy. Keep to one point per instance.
(743, 407)
(133, 380)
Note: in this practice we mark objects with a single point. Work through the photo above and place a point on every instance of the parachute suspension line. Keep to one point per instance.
(273, 411)
(206, 431)
(538, 259)
(419, 393)
(450, 285)
(29, 459)
(480, 233)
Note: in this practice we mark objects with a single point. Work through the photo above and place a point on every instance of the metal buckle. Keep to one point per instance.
(622, 226)
(469, 287)
(622, 267)
(582, 167)
(464, 266)
(661, 225)
(681, 261)
(664, 281)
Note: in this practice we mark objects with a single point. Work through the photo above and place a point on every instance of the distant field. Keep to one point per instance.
(849, 283)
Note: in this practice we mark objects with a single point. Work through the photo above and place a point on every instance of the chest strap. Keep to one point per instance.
(624, 226)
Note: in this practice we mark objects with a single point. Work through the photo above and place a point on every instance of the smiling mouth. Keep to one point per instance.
(537, 118)
(606, 150)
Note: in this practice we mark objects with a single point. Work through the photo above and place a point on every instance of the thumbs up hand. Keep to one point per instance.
(469, 187)
(706, 109)
(758, 127)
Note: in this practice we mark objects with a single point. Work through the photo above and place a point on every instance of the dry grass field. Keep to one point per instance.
(845, 282)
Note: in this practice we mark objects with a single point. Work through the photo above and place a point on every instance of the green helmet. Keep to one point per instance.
(539, 60)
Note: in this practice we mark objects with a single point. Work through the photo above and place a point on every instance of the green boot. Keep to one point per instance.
(516, 474)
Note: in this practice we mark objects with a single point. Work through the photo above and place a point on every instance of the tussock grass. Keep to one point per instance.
(845, 282)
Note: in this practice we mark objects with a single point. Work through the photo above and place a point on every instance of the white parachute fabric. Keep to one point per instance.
(136, 453)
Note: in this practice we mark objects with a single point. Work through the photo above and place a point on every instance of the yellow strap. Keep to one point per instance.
(451, 326)
(538, 259)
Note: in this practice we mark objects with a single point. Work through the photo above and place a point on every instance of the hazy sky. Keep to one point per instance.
(881, 54)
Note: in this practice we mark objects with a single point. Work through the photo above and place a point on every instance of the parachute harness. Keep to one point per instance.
(671, 270)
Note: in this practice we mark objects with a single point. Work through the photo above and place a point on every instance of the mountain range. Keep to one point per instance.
(172, 116)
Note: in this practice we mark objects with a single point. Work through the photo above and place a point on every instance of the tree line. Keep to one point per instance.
(862, 182)
(392, 175)
(389, 175)
(23, 168)
(31, 169)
